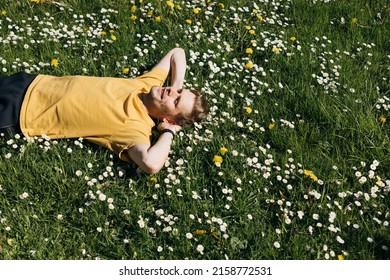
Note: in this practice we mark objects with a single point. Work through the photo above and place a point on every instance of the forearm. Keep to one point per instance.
(158, 153)
(178, 68)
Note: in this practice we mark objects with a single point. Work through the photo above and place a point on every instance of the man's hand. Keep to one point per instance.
(165, 125)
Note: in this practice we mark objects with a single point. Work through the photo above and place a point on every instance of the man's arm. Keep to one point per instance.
(152, 159)
(175, 62)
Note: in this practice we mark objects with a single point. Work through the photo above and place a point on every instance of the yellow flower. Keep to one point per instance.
(293, 38)
(3, 12)
(354, 20)
(113, 37)
(150, 13)
(158, 18)
(221, 5)
(196, 11)
(248, 27)
(103, 33)
(133, 17)
(340, 257)
(223, 150)
(54, 62)
(188, 21)
(133, 8)
(249, 51)
(310, 174)
(382, 119)
(271, 126)
(153, 179)
(255, 11)
(252, 32)
(125, 70)
(170, 4)
(248, 110)
(178, 7)
(217, 159)
(37, 1)
(276, 50)
(259, 17)
(249, 65)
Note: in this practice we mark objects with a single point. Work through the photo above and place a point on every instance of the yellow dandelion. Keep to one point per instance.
(221, 5)
(340, 257)
(271, 126)
(196, 11)
(153, 179)
(199, 231)
(252, 32)
(3, 12)
(54, 62)
(276, 50)
(248, 110)
(158, 18)
(133, 17)
(260, 18)
(188, 21)
(223, 150)
(103, 33)
(133, 8)
(170, 4)
(249, 65)
(113, 37)
(354, 20)
(217, 159)
(307, 172)
(178, 7)
(150, 13)
(249, 51)
(247, 27)
(382, 119)
(125, 71)
(293, 38)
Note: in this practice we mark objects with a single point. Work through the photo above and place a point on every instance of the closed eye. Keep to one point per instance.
(177, 101)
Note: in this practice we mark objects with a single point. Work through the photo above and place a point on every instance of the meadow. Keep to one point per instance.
(293, 161)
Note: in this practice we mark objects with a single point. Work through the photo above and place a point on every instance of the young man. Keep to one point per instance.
(116, 113)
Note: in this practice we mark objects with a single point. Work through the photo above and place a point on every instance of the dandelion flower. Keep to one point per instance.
(188, 21)
(249, 65)
(354, 20)
(293, 38)
(340, 257)
(276, 50)
(54, 62)
(249, 50)
(382, 119)
(248, 110)
(196, 11)
(223, 150)
(170, 4)
(217, 159)
(158, 18)
(271, 126)
(133, 17)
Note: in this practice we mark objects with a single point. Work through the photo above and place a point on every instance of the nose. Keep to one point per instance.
(172, 91)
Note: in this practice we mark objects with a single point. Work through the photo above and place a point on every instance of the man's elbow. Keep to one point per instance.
(151, 168)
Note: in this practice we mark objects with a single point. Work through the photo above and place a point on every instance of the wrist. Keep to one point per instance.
(167, 130)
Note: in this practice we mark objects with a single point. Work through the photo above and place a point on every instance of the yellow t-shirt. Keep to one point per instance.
(106, 111)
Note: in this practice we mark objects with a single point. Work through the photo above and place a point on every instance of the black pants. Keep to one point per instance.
(12, 91)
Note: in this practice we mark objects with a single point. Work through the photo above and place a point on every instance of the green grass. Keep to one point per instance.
(326, 94)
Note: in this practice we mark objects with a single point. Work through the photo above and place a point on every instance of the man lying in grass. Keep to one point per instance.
(116, 113)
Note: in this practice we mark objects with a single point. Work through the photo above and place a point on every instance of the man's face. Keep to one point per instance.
(167, 102)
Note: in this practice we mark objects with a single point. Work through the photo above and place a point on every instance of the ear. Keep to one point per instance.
(169, 121)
